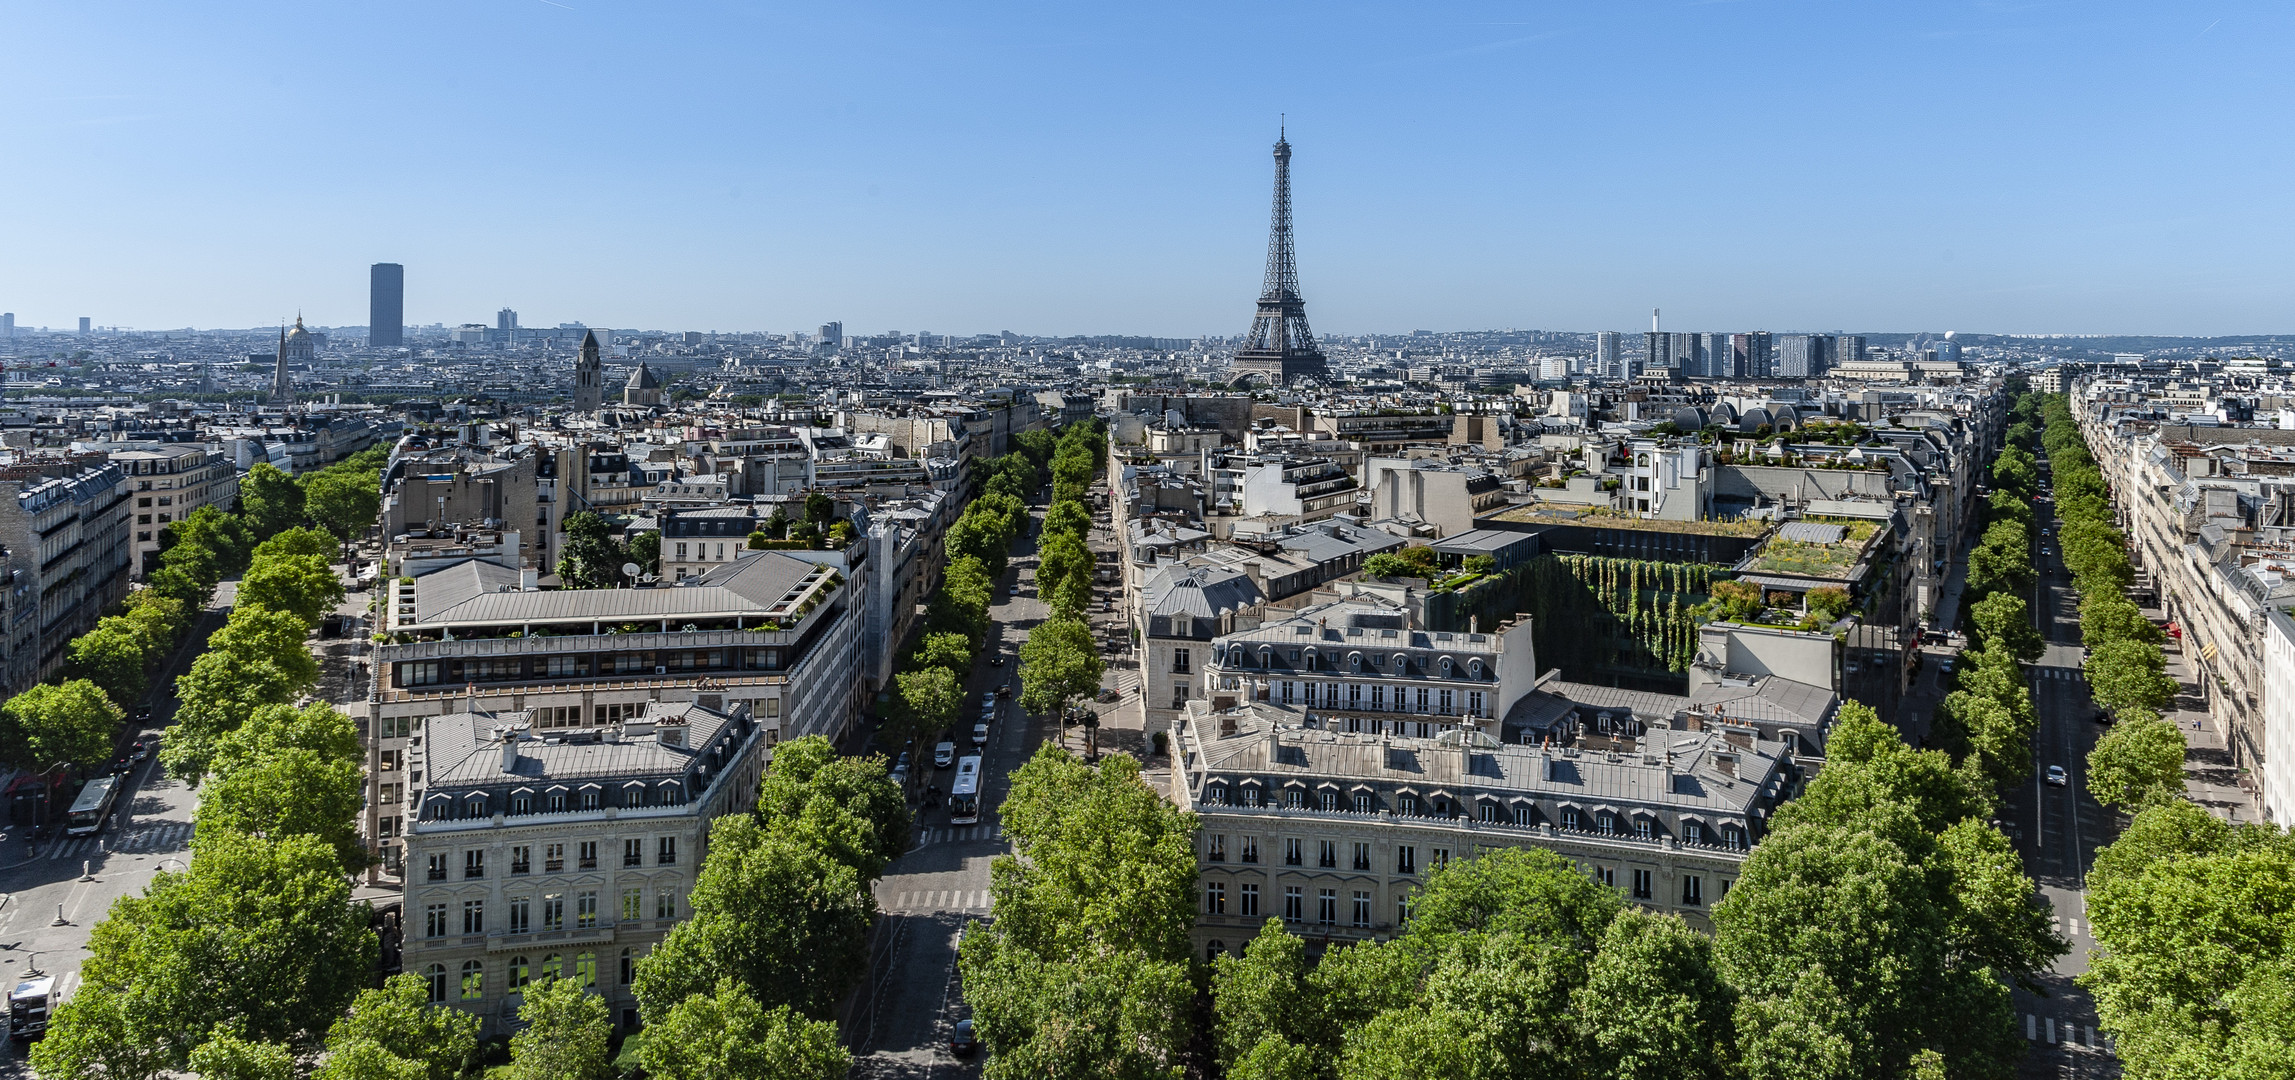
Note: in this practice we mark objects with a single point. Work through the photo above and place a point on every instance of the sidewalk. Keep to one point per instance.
(2209, 777)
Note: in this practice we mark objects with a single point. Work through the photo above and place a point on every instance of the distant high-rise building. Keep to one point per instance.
(1688, 353)
(83, 326)
(1609, 356)
(1279, 348)
(833, 334)
(1750, 357)
(1657, 351)
(1802, 356)
(1848, 349)
(506, 319)
(386, 306)
(1717, 363)
(589, 376)
(7, 324)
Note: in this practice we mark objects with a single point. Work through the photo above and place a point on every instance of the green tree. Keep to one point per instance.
(302, 584)
(2137, 763)
(943, 650)
(770, 911)
(567, 1034)
(259, 934)
(343, 503)
(1058, 664)
(396, 1027)
(2003, 622)
(960, 605)
(1071, 518)
(1115, 1015)
(1037, 444)
(591, 558)
(928, 702)
(160, 619)
(819, 508)
(270, 730)
(1652, 1004)
(258, 658)
(1063, 557)
(2003, 562)
(270, 500)
(2129, 678)
(47, 724)
(225, 540)
(983, 535)
(777, 524)
(844, 806)
(1423, 1042)
(2016, 470)
(225, 1056)
(726, 1035)
(114, 656)
(303, 541)
(286, 793)
(2107, 616)
(1999, 737)
(1261, 995)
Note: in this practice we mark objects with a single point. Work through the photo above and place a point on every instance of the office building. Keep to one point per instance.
(1849, 349)
(7, 325)
(1750, 356)
(1609, 358)
(833, 334)
(1802, 356)
(1719, 362)
(386, 306)
(83, 326)
(506, 319)
(1657, 351)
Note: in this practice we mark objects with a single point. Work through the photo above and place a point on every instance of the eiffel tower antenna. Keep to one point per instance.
(1280, 348)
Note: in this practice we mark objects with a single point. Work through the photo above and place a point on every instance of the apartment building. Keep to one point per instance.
(1331, 822)
(64, 527)
(170, 480)
(538, 851)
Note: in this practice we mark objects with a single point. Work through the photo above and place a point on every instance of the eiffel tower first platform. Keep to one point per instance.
(1280, 349)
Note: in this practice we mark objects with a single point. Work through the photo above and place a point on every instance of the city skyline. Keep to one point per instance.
(724, 168)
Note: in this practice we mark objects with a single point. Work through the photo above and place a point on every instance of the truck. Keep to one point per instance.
(29, 1004)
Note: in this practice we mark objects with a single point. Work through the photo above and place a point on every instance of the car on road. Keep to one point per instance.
(142, 713)
(2056, 776)
(996, 660)
(900, 770)
(943, 755)
(2103, 716)
(140, 749)
(960, 1041)
(1946, 667)
(980, 733)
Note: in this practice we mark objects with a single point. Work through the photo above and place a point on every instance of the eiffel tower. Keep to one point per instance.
(1279, 349)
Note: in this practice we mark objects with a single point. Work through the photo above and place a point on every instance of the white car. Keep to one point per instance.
(980, 734)
(943, 755)
(2056, 777)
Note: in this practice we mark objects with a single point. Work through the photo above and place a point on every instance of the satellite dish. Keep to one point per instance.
(629, 569)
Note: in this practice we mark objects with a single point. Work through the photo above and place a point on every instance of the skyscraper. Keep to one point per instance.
(7, 324)
(1849, 349)
(833, 334)
(1802, 356)
(1718, 362)
(506, 319)
(1750, 356)
(1689, 353)
(83, 326)
(1279, 347)
(386, 306)
(1609, 359)
(1657, 351)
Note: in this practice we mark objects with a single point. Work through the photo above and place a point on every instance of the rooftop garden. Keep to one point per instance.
(1602, 517)
(1810, 559)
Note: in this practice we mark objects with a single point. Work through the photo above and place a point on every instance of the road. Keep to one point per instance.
(2058, 829)
(54, 891)
(899, 1021)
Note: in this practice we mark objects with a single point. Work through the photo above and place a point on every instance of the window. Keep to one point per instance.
(438, 866)
(1292, 855)
(1287, 689)
(633, 852)
(1326, 906)
(1406, 804)
(1692, 890)
(591, 801)
(1607, 875)
(553, 966)
(1606, 822)
(434, 921)
(519, 975)
(626, 966)
(1215, 898)
(665, 904)
(589, 848)
(1569, 817)
(1292, 904)
(1440, 856)
(1216, 848)
(554, 911)
(1643, 884)
(1693, 832)
(586, 969)
(586, 909)
(1362, 908)
(1487, 811)
(1445, 708)
(1642, 827)
(1363, 803)
(1294, 799)
(1378, 698)
(521, 914)
(522, 860)
(474, 863)
(1250, 849)
(474, 916)
(1211, 951)
(1215, 794)
(633, 905)
(1406, 860)
(1179, 659)
(1362, 856)
(1522, 813)
(1402, 911)
(473, 980)
(563, 667)
(665, 853)
(1329, 800)
(1250, 898)
(553, 858)
(435, 976)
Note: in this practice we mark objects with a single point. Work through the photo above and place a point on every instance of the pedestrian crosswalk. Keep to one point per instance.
(160, 836)
(2071, 927)
(931, 900)
(958, 834)
(2070, 1036)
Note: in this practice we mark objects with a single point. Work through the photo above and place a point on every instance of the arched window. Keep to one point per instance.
(435, 976)
(553, 966)
(586, 969)
(473, 980)
(519, 975)
(1474, 668)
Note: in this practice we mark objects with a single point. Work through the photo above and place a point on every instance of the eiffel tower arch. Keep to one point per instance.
(1280, 348)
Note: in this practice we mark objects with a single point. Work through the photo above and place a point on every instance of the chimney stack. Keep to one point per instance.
(509, 750)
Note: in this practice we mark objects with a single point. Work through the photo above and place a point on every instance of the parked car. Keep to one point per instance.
(943, 755)
(960, 1042)
(900, 770)
(980, 733)
(2056, 776)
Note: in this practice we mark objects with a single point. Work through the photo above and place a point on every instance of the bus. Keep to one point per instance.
(93, 806)
(964, 794)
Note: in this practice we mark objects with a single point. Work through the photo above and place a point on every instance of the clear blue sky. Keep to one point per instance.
(1066, 168)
